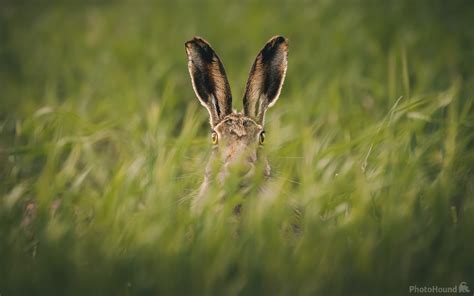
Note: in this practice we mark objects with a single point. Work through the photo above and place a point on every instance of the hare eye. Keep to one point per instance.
(214, 138)
(261, 138)
(229, 122)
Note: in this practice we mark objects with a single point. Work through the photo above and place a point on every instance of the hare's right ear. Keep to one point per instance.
(209, 79)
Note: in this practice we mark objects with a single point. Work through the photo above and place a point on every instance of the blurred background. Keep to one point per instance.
(103, 145)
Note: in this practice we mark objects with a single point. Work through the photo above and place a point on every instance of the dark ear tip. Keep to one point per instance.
(197, 41)
(277, 40)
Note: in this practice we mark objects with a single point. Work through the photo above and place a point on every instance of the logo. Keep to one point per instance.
(461, 288)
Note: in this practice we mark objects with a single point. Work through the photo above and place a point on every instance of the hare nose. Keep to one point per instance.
(239, 132)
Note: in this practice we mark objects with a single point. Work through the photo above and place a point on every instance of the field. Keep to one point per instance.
(103, 146)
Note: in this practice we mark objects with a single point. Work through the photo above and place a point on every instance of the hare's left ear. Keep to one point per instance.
(266, 78)
(209, 79)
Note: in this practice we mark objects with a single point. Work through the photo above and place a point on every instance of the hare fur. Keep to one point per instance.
(237, 136)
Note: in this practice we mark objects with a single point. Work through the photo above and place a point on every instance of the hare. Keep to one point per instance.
(236, 136)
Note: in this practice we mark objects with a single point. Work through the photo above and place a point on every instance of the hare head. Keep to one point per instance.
(237, 136)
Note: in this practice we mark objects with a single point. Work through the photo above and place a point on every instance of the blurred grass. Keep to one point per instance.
(371, 140)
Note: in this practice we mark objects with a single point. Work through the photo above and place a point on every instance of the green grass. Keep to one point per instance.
(371, 140)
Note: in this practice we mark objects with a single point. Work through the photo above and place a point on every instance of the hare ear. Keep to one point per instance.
(266, 78)
(209, 79)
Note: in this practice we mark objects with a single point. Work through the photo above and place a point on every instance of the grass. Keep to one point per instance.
(371, 141)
